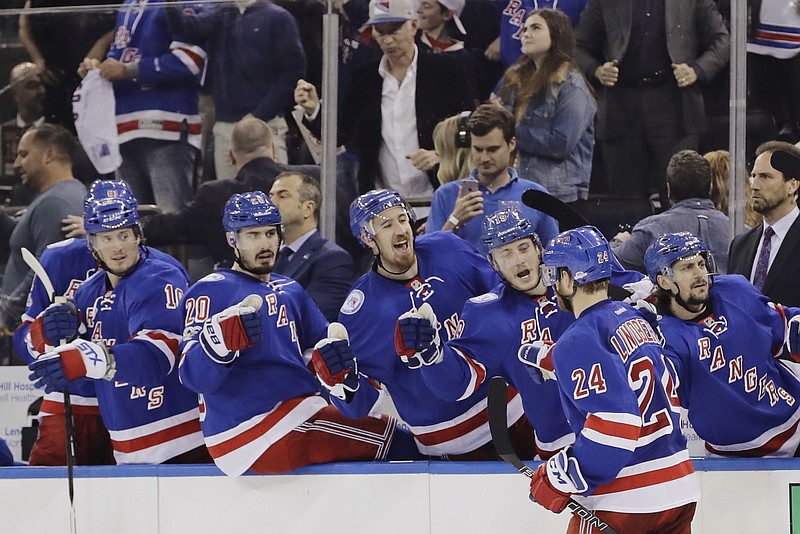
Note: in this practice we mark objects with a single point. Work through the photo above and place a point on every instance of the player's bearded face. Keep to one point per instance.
(691, 278)
(117, 249)
(518, 264)
(393, 239)
(257, 248)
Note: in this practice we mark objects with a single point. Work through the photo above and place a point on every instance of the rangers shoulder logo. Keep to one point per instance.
(213, 277)
(353, 302)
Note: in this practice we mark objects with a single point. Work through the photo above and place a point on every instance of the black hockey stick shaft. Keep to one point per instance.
(33, 262)
(498, 426)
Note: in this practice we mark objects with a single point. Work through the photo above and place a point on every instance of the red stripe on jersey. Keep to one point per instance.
(172, 343)
(166, 125)
(768, 448)
(196, 58)
(613, 428)
(644, 480)
(776, 36)
(157, 438)
(240, 440)
(480, 371)
(461, 429)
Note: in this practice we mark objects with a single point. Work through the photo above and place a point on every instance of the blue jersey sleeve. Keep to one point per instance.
(154, 319)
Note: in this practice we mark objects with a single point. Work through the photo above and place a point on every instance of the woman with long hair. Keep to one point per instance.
(553, 106)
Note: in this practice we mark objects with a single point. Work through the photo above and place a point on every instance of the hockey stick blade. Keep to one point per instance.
(565, 215)
(567, 219)
(498, 426)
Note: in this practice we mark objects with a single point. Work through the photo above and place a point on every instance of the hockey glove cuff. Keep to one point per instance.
(231, 330)
(335, 364)
(416, 337)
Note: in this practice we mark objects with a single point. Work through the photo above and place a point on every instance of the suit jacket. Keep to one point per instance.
(200, 221)
(443, 89)
(324, 270)
(696, 35)
(781, 282)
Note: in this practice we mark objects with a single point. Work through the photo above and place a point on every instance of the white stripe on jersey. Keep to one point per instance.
(474, 384)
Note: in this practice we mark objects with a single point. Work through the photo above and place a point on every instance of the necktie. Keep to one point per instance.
(282, 260)
(763, 259)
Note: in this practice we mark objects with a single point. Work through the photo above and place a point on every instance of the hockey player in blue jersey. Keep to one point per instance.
(442, 271)
(524, 317)
(629, 462)
(129, 327)
(725, 338)
(248, 334)
(68, 263)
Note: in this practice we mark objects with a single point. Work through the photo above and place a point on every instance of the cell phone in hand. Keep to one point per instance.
(468, 185)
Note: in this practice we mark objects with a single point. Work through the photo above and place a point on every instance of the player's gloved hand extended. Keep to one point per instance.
(57, 322)
(793, 335)
(71, 361)
(538, 358)
(556, 480)
(650, 314)
(416, 337)
(335, 363)
(235, 328)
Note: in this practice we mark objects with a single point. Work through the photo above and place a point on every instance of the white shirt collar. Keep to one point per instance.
(300, 241)
(782, 225)
(383, 66)
(22, 124)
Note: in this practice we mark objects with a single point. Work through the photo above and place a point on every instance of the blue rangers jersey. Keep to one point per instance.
(741, 400)
(150, 416)
(450, 272)
(498, 326)
(619, 395)
(165, 95)
(268, 390)
(68, 263)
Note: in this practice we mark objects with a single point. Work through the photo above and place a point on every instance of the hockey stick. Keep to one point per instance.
(567, 219)
(498, 426)
(40, 273)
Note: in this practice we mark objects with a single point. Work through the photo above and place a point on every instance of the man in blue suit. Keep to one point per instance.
(323, 268)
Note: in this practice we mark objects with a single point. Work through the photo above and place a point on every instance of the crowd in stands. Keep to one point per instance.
(462, 107)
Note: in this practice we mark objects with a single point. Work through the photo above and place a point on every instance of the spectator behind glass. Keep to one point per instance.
(689, 185)
(553, 107)
(720, 170)
(454, 161)
(256, 58)
(156, 77)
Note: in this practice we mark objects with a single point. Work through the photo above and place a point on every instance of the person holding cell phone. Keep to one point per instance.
(462, 205)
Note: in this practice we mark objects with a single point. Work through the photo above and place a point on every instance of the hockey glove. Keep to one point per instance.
(650, 314)
(335, 363)
(555, 481)
(793, 335)
(57, 322)
(69, 362)
(639, 290)
(538, 359)
(416, 338)
(231, 330)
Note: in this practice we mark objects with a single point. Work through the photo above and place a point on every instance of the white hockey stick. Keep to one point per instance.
(40, 273)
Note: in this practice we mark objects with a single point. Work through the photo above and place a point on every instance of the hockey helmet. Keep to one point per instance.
(109, 189)
(106, 214)
(506, 226)
(364, 209)
(662, 254)
(253, 208)
(584, 251)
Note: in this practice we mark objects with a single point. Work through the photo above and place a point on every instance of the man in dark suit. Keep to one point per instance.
(323, 268)
(769, 254)
(650, 56)
(417, 90)
(198, 222)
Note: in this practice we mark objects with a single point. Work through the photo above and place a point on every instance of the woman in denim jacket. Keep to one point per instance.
(554, 107)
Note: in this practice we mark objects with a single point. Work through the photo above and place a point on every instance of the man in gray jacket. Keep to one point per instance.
(689, 190)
